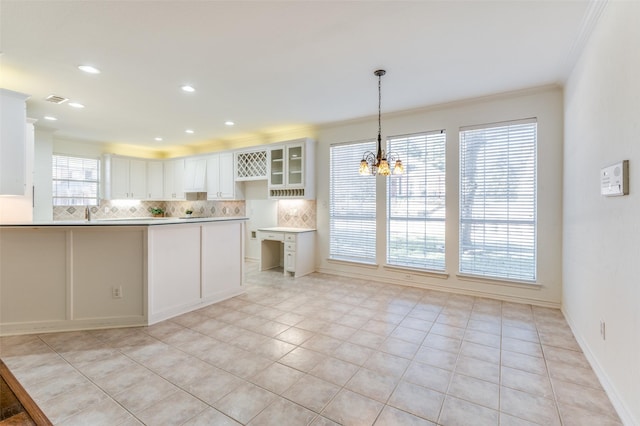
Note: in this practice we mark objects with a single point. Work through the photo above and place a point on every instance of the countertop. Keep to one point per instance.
(141, 221)
(285, 229)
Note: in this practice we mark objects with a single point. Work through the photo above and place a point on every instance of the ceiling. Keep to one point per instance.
(271, 65)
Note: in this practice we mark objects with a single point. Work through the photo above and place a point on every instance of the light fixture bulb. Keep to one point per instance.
(229, 123)
(398, 169)
(89, 69)
(75, 105)
(50, 118)
(383, 168)
(364, 168)
(158, 139)
(189, 131)
(188, 88)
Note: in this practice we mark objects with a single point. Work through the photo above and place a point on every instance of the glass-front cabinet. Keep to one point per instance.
(291, 167)
(276, 163)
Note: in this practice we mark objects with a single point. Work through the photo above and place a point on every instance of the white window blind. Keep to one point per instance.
(352, 205)
(498, 200)
(416, 202)
(75, 181)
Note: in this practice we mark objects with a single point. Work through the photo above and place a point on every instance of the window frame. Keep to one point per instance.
(362, 230)
(431, 143)
(87, 201)
(519, 230)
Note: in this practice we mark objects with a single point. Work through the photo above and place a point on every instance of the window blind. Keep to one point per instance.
(498, 200)
(352, 205)
(75, 181)
(416, 202)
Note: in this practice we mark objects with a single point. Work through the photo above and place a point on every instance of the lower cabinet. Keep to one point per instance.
(293, 250)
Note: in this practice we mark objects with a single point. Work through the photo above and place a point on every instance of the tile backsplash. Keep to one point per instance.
(297, 213)
(122, 209)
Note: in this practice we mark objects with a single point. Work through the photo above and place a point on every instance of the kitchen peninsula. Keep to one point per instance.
(69, 275)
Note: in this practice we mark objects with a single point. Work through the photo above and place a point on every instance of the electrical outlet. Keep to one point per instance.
(117, 292)
(603, 330)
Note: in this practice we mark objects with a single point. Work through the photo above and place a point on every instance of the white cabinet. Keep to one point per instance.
(155, 180)
(12, 142)
(195, 171)
(291, 170)
(174, 179)
(221, 183)
(125, 178)
(293, 250)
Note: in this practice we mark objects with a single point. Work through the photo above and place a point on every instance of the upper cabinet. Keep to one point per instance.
(174, 179)
(291, 169)
(155, 180)
(221, 184)
(125, 178)
(195, 172)
(251, 165)
(13, 139)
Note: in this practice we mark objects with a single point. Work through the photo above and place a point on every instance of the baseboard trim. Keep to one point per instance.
(621, 408)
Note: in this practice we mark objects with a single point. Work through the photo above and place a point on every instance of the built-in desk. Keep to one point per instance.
(293, 249)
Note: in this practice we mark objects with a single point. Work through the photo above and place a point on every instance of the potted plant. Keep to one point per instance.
(188, 212)
(157, 212)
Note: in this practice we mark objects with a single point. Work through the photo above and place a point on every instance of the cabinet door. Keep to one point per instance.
(295, 166)
(227, 178)
(119, 178)
(174, 180)
(138, 179)
(276, 167)
(290, 261)
(155, 180)
(195, 171)
(213, 177)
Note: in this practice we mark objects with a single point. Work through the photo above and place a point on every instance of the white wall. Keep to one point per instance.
(601, 255)
(546, 105)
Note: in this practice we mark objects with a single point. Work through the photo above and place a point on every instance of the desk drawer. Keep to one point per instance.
(290, 237)
(289, 246)
(273, 236)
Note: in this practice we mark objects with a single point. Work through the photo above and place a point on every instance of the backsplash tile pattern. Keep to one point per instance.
(297, 213)
(123, 209)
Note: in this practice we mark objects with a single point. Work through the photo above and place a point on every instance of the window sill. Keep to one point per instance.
(498, 281)
(353, 263)
(414, 271)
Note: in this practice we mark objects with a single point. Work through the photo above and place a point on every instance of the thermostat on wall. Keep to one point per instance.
(614, 179)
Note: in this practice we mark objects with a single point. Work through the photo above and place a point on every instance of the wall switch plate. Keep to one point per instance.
(614, 179)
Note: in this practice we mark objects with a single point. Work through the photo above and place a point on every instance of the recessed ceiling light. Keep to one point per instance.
(189, 131)
(158, 139)
(50, 118)
(75, 105)
(229, 123)
(89, 69)
(188, 88)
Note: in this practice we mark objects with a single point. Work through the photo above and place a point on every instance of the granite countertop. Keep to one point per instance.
(138, 221)
(285, 229)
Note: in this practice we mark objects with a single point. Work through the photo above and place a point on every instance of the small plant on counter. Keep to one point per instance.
(157, 211)
(189, 211)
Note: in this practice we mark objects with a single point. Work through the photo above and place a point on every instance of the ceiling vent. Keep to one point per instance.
(56, 99)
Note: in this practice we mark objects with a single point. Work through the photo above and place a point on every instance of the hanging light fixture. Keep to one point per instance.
(378, 163)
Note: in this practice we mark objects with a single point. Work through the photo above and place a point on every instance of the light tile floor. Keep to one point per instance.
(320, 350)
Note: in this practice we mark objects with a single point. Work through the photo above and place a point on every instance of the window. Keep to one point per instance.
(352, 206)
(416, 202)
(498, 200)
(75, 181)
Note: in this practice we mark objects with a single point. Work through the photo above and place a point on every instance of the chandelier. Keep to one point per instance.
(378, 163)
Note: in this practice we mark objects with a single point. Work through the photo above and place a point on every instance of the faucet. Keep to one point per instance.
(87, 214)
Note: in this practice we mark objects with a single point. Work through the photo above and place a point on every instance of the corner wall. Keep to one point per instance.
(601, 235)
